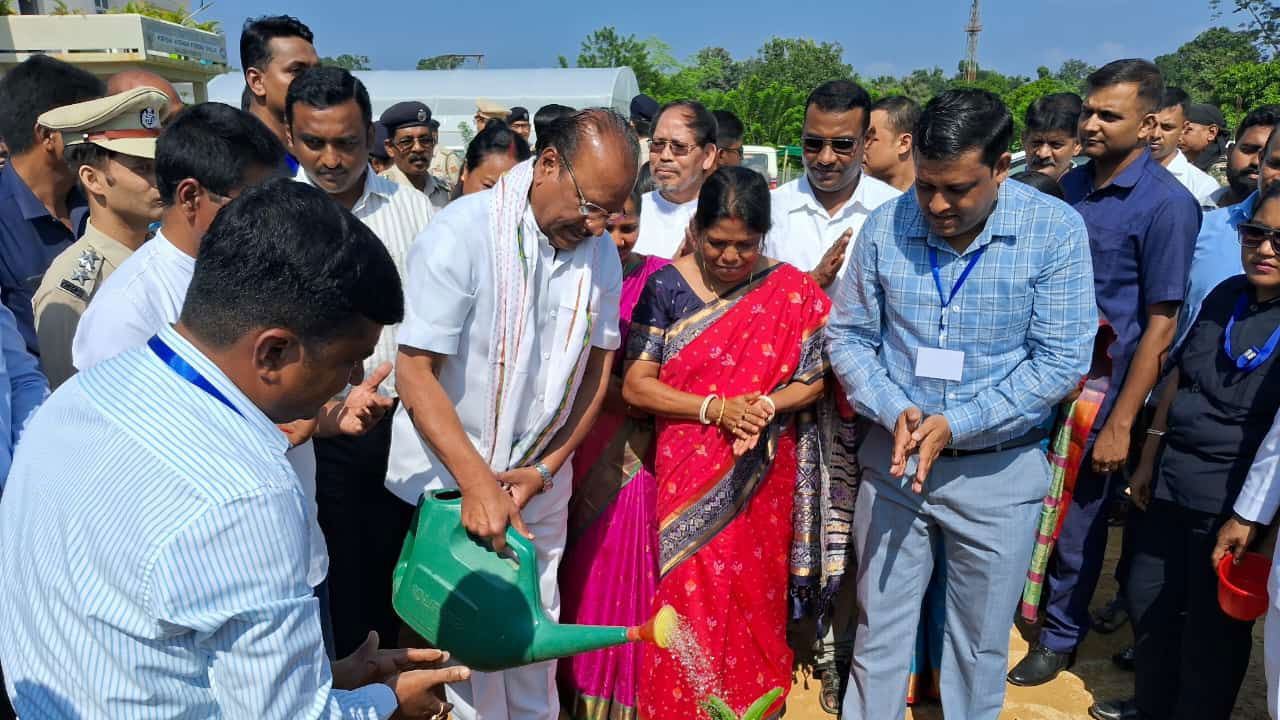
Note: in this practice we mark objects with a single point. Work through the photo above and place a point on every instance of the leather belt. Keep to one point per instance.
(1030, 438)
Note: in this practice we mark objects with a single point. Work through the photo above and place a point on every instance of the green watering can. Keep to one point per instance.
(485, 607)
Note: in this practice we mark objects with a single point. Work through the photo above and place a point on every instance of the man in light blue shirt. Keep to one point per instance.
(965, 316)
(165, 536)
(27, 387)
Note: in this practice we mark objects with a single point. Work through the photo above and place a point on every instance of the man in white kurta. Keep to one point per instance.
(570, 281)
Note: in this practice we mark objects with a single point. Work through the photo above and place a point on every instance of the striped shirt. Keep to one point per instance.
(396, 214)
(1024, 319)
(158, 556)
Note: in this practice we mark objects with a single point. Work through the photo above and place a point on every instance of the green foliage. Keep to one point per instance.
(606, 48)
(1245, 86)
(348, 62)
(800, 63)
(1072, 74)
(467, 133)
(145, 8)
(1021, 97)
(1195, 65)
(718, 709)
(1260, 21)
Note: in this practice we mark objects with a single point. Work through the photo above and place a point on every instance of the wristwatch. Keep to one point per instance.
(548, 480)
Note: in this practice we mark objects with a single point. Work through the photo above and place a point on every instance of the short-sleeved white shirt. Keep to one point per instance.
(803, 231)
(663, 224)
(141, 297)
(449, 308)
(1198, 182)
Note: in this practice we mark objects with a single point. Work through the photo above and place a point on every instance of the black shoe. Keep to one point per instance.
(1125, 658)
(1111, 618)
(1114, 710)
(1040, 666)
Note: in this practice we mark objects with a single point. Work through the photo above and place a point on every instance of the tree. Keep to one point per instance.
(1240, 88)
(1195, 65)
(716, 70)
(5, 8)
(800, 63)
(771, 113)
(347, 62)
(606, 48)
(1261, 22)
(1072, 73)
(441, 62)
(149, 10)
(1021, 97)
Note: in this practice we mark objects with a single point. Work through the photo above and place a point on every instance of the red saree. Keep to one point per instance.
(725, 523)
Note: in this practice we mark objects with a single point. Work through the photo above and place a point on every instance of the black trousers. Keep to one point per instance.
(1191, 657)
(364, 527)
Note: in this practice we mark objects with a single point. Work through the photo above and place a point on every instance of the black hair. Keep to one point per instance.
(246, 99)
(564, 133)
(496, 139)
(701, 121)
(643, 128)
(323, 87)
(837, 96)
(85, 154)
(728, 127)
(257, 34)
(548, 114)
(36, 86)
(644, 179)
(637, 198)
(903, 112)
(1270, 192)
(1056, 112)
(1140, 72)
(1174, 97)
(1267, 115)
(734, 193)
(216, 145)
(958, 121)
(1041, 182)
(286, 255)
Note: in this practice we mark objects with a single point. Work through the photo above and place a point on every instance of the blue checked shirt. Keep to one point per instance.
(156, 557)
(1025, 318)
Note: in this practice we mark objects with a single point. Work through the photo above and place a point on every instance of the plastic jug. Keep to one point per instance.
(483, 607)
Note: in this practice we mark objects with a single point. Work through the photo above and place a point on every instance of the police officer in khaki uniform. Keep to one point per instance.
(487, 110)
(110, 143)
(411, 137)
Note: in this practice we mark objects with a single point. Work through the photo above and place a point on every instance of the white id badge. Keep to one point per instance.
(939, 364)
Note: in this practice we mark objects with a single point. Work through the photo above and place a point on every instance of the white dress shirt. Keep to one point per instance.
(449, 308)
(663, 224)
(1198, 182)
(397, 214)
(803, 230)
(164, 552)
(143, 296)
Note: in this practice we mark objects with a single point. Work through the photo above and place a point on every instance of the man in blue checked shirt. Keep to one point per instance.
(966, 314)
(164, 535)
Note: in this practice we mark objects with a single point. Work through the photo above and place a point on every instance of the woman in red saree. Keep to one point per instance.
(725, 346)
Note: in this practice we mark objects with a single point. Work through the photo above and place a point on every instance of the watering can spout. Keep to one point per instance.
(556, 641)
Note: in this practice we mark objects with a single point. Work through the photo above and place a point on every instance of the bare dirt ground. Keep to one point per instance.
(1069, 696)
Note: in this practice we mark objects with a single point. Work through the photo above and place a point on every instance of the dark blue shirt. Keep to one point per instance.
(30, 238)
(1142, 235)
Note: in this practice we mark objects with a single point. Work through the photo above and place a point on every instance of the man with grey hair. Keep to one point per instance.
(517, 278)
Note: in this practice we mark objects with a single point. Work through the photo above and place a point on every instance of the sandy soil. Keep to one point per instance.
(1069, 696)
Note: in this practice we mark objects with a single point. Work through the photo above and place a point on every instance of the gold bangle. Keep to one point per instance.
(720, 418)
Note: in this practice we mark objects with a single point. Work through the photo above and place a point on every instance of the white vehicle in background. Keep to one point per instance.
(764, 160)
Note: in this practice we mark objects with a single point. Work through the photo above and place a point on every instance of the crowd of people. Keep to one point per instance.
(874, 414)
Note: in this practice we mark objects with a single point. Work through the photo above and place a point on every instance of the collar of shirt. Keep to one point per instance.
(1003, 221)
(1127, 177)
(12, 184)
(163, 244)
(374, 186)
(276, 440)
(807, 201)
(1242, 210)
(1179, 165)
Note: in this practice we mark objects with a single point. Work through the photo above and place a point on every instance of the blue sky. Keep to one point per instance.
(884, 37)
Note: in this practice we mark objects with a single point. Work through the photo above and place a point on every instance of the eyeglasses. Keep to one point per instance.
(731, 150)
(406, 144)
(839, 145)
(678, 149)
(1252, 235)
(596, 216)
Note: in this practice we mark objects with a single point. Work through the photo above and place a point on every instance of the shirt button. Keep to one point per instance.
(951, 396)
(1195, 388)
(546, 356)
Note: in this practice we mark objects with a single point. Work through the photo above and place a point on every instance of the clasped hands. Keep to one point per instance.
(915, 434)
(743, 417)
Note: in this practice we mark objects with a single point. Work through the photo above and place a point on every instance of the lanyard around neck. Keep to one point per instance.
(964, 274)
(186, 372)
(1252, 358)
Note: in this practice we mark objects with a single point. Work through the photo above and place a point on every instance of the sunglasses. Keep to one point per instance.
(1252, 235)
(678, 149)
(839, 145)
(406, 144)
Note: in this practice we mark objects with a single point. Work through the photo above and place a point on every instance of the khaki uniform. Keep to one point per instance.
(1218, 171)
(436, 190)
(68, 286)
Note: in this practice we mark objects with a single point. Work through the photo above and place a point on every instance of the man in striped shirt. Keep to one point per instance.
(164, 534)
(329, 124)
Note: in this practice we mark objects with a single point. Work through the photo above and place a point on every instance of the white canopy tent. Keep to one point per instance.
(451, 94)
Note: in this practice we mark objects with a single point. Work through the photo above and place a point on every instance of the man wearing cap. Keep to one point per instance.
(411, 143)
(519, 122)
(643, 110)
(111, 147)
(487, 110)
(1205, 140)
(379, 158)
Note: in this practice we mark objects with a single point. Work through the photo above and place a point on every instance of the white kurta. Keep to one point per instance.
(1258, 502)
(803, 230)
(140, 298)
(663, 224)
(449, 308)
